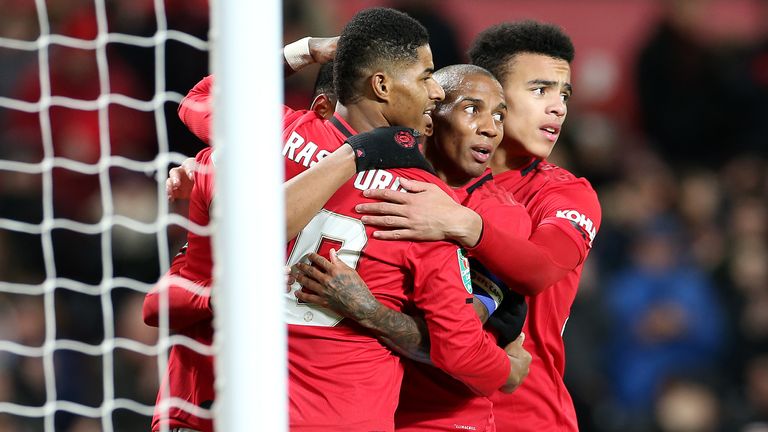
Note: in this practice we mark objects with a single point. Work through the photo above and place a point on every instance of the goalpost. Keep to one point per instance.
(251, 365)
(248, 230)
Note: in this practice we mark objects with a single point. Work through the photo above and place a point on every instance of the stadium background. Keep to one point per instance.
(669, 122)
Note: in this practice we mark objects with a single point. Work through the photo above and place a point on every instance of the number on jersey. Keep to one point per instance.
(325, 231)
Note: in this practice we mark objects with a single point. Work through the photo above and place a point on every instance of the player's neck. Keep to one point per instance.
(503, 160)
(361, 117)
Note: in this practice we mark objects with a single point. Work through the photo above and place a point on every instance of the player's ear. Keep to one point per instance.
(381, 85)
(323, 106)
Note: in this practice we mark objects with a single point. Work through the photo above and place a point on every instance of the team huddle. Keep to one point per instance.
(434, 253)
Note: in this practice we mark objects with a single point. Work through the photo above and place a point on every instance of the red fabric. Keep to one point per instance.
(190, 375)
(195, 109)
(565, 213)
(320, 357)
(185, 306)
(340, 377)
(430, 399)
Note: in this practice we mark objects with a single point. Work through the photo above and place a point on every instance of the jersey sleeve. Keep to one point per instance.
(195, 109)
(575, 210)
(569, 218)
(188, 303)
(443, 292)
(189, 279)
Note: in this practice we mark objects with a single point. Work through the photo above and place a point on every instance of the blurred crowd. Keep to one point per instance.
(669, 331)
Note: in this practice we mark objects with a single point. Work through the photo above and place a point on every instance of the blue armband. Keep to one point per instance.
(486, 286)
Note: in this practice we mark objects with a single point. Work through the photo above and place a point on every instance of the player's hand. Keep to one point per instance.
(519, 364)
(508, 319)
(389, 147)
(336, 286)
(180, 180)
(323, 50)
(427, 214)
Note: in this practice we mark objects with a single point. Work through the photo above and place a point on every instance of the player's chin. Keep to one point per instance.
(541, 150)
(476, 169)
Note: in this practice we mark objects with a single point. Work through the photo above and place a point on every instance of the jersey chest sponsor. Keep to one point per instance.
(581, 221)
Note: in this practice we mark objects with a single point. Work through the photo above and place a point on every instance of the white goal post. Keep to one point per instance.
(250, 337)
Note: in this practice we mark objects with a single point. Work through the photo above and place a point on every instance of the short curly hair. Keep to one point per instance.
(324, 81)
(497, 45)
(374, 37)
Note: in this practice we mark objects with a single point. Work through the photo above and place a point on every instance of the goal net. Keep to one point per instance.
(88, 112)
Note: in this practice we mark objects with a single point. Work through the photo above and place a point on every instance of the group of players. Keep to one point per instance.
(407, 307)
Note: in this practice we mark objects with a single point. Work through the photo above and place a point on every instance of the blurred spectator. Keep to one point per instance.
(677, 87)
(756, 392)
(687, 406)
(443, 39)
(666, 319)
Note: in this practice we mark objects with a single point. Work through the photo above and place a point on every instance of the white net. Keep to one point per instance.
(87, 106)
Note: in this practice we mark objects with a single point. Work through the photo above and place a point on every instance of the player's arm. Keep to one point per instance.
(304, 52)
(188, 303)
(336, 286)
(550, 249)
(558, 244)
(195, 109)
(189, 278)
(305, 194)
(458, 344)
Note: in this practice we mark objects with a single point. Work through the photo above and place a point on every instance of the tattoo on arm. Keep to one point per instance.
(403, 333)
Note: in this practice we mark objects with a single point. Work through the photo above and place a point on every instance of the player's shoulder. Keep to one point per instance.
(551, 176)
(295, 118)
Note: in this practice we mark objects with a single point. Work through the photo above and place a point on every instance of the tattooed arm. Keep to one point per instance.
(336, 286)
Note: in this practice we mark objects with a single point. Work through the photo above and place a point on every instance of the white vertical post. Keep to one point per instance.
(249, 236)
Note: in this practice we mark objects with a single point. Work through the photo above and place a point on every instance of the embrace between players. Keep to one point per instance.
(413, 275)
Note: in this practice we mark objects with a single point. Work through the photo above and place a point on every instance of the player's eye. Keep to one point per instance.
(565, 96)
(538, 91)
(498, 116)
(470, 109)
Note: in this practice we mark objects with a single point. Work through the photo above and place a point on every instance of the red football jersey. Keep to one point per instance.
(341, 378)
(553, 196)
(430, 399)
(190, 374)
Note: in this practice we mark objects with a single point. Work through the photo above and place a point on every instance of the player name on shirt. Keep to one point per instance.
(308, 155)
(377, 179)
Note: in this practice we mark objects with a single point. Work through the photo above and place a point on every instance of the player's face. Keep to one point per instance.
(413, 92)
(469, 126)
(537, 88)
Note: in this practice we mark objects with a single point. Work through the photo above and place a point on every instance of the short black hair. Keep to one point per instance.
(324, 81)
(496, 45)
(372, 38)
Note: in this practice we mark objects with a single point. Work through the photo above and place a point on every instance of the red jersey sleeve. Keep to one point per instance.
(574, 209)
(443, 292)
(569, 217)
(189, 278)
(195, 109)
(188, 303)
